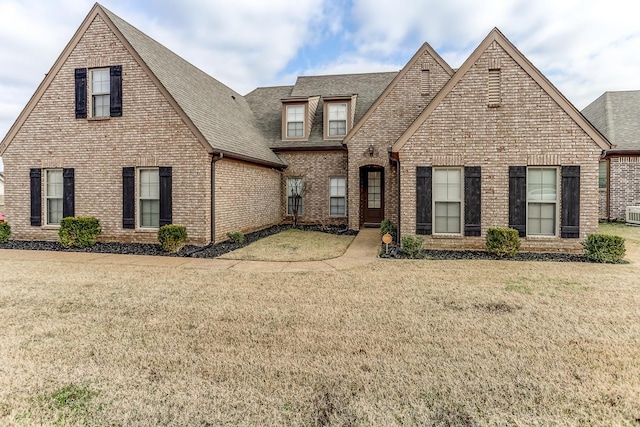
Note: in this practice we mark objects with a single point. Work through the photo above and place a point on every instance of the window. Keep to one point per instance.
(54, 192)
(447, 200)
(542, 200)
(337, 119)
(149, 198)
(294, 195)
(337, 196)
(100, 92)
(602, 175)
(295, 121)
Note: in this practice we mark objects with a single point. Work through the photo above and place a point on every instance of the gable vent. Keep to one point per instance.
(494, 87)
(424, 79)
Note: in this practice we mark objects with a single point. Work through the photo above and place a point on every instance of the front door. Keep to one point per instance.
(372, 192)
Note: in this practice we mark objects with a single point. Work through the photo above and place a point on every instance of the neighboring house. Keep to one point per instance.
(124, 130)
(617, 116)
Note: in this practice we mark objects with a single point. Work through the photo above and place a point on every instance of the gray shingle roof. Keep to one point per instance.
(267, 106)
(617, 116)
(222, 115)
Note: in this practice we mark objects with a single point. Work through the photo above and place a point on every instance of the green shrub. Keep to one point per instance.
(412, 246)
(172, 237)
(604, 248)
(5, 232)
(503, 241)
(78, 232)
(236, 237)
(386, 226)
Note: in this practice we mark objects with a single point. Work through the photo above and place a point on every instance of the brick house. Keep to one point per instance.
(615, 114)
(125, 130)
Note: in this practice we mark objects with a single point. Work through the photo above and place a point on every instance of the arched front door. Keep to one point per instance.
(371, 195)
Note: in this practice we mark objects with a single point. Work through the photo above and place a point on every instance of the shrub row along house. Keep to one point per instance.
(125, 130)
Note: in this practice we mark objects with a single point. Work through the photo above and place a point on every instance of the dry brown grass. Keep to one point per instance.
(396, 342)
(294, 245)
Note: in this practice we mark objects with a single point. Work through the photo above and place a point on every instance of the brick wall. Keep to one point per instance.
(385, 125)
(315, 168)
(528, 129)
(150, 133)
(247, 197)
(602, 204)
(624, 176)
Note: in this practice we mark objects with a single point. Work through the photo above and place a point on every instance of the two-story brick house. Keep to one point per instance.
(125, 130)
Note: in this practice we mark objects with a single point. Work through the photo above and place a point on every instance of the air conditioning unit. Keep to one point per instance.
(633, 215)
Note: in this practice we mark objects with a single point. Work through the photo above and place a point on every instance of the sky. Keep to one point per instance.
(584, 47)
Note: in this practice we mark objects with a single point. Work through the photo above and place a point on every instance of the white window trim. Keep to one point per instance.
(47, 198)
(327, 120)
(461, 201)
(139, 225)
(92, 93)
(556, 225)
(287, 121)
(341, 197)
(301, 198)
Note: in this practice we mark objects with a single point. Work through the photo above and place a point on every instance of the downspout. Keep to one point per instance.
(213, 195)
(397, 162)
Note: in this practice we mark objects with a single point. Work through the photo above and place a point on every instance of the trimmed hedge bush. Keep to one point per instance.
(5, 232)
(503, 241)
(236, 237)
(79, 232)
(604, 248)
(172, 237)
(386, 226)
(412, 246)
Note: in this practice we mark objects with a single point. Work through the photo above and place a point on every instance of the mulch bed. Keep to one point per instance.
(155, 249)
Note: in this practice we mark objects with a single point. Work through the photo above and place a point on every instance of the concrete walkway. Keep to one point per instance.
(363, 250)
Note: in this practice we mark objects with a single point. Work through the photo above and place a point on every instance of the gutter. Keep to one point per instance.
(213, 197)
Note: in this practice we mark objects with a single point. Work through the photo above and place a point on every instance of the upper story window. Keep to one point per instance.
(337, 119)
(104, 87)
(295, 121)
(100, 92)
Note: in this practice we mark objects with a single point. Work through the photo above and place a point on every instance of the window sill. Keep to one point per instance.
(98, 119)
(51, 227)
(447, 236)
(334, 138)
(146, 230)
(542, 237)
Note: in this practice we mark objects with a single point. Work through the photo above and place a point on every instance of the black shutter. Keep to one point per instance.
(128, 197)
(68, 193)
(570, 226)
(472, 201)
(423, 200)
(518, 199)
(36, 196)
(81, 93)
(165, 195)
(115, 99)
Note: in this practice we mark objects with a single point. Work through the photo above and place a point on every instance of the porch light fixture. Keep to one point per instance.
(370, 150)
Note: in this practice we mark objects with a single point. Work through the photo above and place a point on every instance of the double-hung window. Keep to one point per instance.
(54, 193)
(295, 121)
(337, 196)
(447, 200)
(149, 198)
(542, 201)
(337, 119)
(294, 196)
(100, 92)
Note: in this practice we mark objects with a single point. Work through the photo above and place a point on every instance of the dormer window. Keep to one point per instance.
(337, 119)
(295, 121)
(338, 116)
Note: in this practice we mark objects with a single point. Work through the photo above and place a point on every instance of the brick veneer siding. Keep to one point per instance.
(602, 204)
(315, 168)
(624, 185)
(149, 133)
(247, 197)
(384, 126)
(529, 128)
